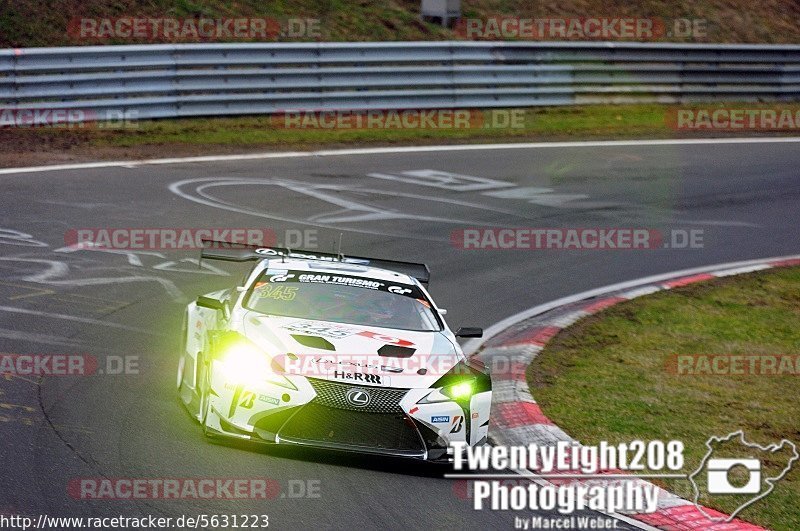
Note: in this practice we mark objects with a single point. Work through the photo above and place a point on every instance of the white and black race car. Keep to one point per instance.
(328, 351)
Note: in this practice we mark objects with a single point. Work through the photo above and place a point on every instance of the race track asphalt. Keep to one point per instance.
(743, 197)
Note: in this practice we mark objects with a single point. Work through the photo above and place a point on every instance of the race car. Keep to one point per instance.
(330, 351)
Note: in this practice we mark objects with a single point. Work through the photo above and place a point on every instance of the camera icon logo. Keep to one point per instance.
(720, 472)
(742, 476)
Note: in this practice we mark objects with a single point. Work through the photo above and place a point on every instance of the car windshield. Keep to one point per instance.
(342, 299)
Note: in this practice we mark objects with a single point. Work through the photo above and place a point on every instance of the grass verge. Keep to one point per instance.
(203, 136)
(607, 377)
(28, 23)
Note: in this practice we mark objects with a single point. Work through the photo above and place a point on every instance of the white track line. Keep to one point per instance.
(399, 149)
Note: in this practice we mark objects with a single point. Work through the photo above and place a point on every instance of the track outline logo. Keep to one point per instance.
(771, 481)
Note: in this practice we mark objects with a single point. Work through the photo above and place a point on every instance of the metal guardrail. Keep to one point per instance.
(160, 81)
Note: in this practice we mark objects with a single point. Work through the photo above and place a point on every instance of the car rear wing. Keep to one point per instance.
(239, 252)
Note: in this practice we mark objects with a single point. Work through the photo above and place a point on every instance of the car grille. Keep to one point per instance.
(318, 424)
(334, 395)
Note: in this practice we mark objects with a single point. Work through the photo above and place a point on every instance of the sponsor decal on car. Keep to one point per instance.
(458, 422)
(339, 280)
(300, 277)
(268, 399)
(322, 330)
(268, 253)
(363, 363)
(247, 399)
(386, 339)
(440, 418)
(359, 377)
(281, 278)
(399, 290)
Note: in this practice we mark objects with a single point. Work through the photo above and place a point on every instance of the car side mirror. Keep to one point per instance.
(213, 304)
(468, 331)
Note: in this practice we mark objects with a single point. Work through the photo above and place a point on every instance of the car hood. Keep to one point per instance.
(355, 354)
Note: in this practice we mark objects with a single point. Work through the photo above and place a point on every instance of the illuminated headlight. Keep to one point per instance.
(459, 391)
(243, 363)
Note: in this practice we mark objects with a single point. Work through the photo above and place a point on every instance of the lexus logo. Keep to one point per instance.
(358, 397)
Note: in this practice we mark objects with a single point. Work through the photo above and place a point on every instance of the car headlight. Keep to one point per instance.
(242, 362)
(459, 391)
